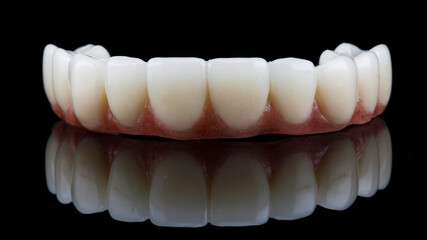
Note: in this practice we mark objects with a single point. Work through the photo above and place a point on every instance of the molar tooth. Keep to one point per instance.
(177, 90)
(48, 52)
(88, 90)
(293, 86)
(60, 78)
(348, 49)
(385, 70)
(336, 91)
(238, 88)
(368, 79)
(126, 87)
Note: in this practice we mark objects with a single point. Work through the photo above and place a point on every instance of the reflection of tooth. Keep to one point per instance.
(64, 172)
(368, 168)
(60, 80)
(128, 189)
(178, 195)
(293, 191)
(327, 56)
(348, 49)
(87, 90)
(177, 90)
(239, 192)
(339, 73)
(337, 176)
(50, 158)
(126, 87)
(293, 85)
(384, 60)
(238, 88)
(48, 52)
(368, 78)
(385, 156)
(90, 177)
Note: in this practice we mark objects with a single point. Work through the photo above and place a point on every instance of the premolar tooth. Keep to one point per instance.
(336, 91)
(327, 56)
(60, 78)
(96, 51)
(292, 87)
(348, 49)
(126, 87)
(238, 88)
(48, 52)
(368, 79)
(177, 90)
(385, 83)
(88, 90)
(63, 172)
(368, 168)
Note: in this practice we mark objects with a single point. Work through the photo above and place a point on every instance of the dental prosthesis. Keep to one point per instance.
(190, 98)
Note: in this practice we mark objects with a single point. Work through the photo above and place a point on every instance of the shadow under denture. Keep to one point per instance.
(193, 183)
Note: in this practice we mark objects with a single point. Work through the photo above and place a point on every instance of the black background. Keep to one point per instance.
(209, 31)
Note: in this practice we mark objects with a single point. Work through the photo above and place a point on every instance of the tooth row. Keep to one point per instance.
(178, 90)
(182, 184)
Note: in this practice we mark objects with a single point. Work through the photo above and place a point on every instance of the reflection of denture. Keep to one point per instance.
(190, 98)
(225, 183)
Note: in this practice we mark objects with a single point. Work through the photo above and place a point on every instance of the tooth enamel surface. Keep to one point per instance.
(368, 169)
(48, 52)
(128, 189)
(64, 172)
(90, 177)
(327, 56)
(348, 49)
(293, 192)
(385, 83)
(177, 90)
(83, 49)
(52, 146)
(293, 86)
(238, 88)
(239, 192)
(88, 90)
(60, 80)
(368, 79)
(336, 176)
(96, 51)
(126, 87)
(336, 91)
(179, 195)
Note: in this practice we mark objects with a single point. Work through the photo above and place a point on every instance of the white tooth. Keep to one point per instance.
(336, 91)
(177, 90)
(128, 189)
(60, 78)
(90, 177)
(327, 56)
(47, 72)
(385, 156)
(52, 146)
(384, 60)
(348, 49)
(126, 87)
(368, 168)
(293, 190)
(63, 172)
(238, 88)
(336, 176)
(292, 88)
(368, 79)
(240, 194)
(83, 49)
(88, 90)
(178, 196)
(96, 51)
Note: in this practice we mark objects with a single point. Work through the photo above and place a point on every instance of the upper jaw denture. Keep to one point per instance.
(190, 98)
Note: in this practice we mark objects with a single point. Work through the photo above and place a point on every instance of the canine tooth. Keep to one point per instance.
(293, 86)
(336, 176)
(177, 90)
(128, 189)
(348, 49)
(88, 90)
(63, 172)
(48, 52)
(126, 87)
(240, 193)
(385, 83)
(368, 79)
(327, 56)
(368, 168)
(60, 78)
(52, 146)
(179, 195)
(238, 88)
(96, 51)
(293, 192)
(336, 91)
